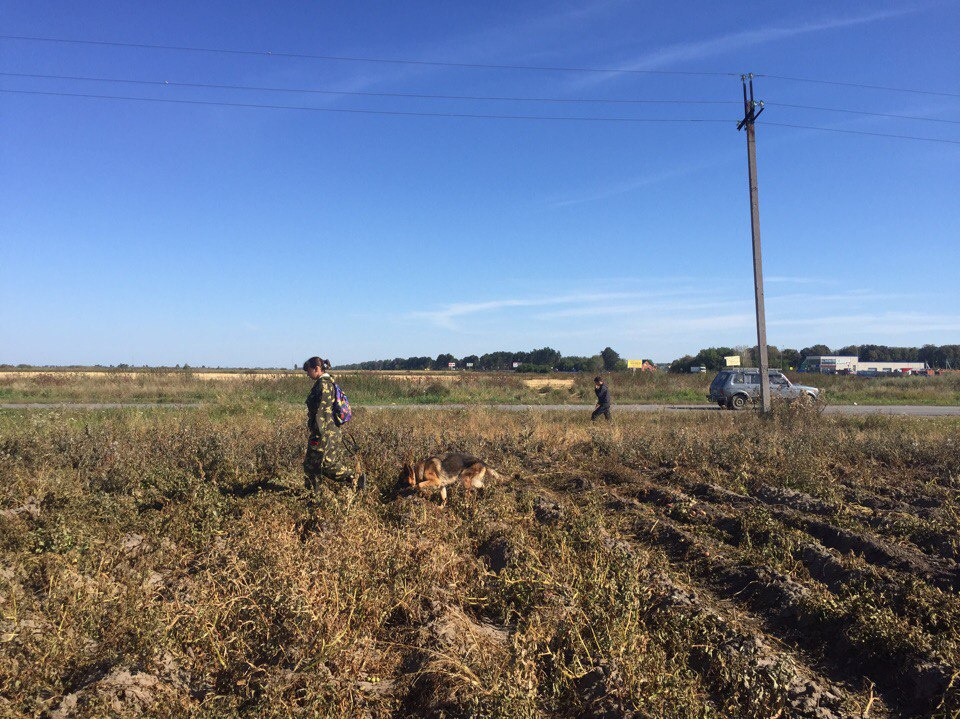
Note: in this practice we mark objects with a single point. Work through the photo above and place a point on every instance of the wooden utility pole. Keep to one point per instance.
(752, 110)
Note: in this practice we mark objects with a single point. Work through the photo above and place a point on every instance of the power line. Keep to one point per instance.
(860, 85)
(346, 58)
(628, 101)
(863, 132)
(475, 65)
(463, 115)
(371, 94)
(858, 112)
(365, 112)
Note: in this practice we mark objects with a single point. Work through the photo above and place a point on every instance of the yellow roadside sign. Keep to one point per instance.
(634, 364)
(732, 361)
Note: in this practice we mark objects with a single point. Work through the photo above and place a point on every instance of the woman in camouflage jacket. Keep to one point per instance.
(326, 455)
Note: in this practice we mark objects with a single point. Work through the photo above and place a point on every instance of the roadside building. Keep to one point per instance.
(829, 364)
(844, 364)
(876, 368)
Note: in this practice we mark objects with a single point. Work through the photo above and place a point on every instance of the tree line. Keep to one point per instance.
(545, 359)
(936, 356)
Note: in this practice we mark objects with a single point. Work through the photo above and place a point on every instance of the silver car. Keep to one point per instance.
(735, 388)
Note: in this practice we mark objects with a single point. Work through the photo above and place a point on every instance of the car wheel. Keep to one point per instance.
(738, 401)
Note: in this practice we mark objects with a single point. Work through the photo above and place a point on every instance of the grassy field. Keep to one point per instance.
(166, 563)
(372, 388)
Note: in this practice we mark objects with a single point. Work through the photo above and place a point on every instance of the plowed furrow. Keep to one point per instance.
(913, 679)
(939, 572)
(931, 614)
(728, 648)
(805, 693)
(937, 549)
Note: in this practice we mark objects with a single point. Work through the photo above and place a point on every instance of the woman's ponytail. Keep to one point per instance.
(315, 362)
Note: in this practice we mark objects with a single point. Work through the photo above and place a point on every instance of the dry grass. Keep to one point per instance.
(166, 564)
(438, 387)
(567, 383)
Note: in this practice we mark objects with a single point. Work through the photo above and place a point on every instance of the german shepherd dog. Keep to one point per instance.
(439, 472)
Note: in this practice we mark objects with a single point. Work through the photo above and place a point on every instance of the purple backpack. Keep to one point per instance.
(341, 406)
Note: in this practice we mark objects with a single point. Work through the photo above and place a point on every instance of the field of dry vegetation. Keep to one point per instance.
(167, 563)
(372, 388)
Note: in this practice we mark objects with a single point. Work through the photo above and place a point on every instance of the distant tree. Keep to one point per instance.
(751, 358)
(610, 358)
(545, 356)
(712, 357)
(791, 358)
(497, 361)
(948, 357)
(595, 363)
(471, 359)
(443, 360)
(682, 364)
(849, 351)
(538, 368)
(592, 364)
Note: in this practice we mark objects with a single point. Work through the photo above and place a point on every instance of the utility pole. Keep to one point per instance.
(751, 111)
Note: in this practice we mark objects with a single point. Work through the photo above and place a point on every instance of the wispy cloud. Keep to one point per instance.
(513, 42)
(646, 307)
(798, 280)
(446, 317)
(668, 320)
(614, 189)
(672, 55)
(881, 322)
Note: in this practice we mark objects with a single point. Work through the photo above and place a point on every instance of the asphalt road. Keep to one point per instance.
(909, 410)
(913, 410)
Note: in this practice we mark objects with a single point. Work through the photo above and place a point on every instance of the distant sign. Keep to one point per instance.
(469, 364)
(516, 364)
(452, 365)
(634, 364)
(732, 361)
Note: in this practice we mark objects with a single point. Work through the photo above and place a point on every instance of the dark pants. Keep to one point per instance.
(605, 411)
(326, 457)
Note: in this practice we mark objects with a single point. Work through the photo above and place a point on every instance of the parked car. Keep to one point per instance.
(738, 387)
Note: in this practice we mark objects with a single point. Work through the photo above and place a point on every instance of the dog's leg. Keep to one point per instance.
(443, 496)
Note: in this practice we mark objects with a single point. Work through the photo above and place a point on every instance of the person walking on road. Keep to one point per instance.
(326, 455)
(603, 399)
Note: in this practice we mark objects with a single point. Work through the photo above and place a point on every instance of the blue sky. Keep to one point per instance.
(153, 233)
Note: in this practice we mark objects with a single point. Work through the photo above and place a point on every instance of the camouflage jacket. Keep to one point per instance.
(320, 406)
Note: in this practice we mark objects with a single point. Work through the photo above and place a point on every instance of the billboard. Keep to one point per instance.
(634, 364)
(452, 365)
(732, 361)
